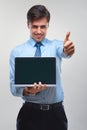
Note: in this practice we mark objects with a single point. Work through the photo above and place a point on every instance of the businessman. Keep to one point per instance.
(43, 107)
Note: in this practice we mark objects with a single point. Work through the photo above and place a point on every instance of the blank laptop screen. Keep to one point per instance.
(30, 70)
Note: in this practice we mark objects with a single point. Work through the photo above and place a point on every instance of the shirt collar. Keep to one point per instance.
(33, 42)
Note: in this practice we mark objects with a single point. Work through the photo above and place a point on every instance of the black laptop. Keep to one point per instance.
(29, 70)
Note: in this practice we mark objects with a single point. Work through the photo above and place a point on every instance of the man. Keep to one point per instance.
(43, 106)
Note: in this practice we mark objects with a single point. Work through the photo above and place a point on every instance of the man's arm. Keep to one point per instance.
(14, 90)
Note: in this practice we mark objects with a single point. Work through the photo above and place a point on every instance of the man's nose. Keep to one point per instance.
(38, 30)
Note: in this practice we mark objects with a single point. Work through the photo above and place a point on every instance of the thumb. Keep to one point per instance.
(67, 37)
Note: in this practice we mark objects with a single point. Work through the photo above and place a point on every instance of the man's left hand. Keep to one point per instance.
(69, 48)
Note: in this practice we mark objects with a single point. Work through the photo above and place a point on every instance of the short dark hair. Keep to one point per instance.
(37, 12)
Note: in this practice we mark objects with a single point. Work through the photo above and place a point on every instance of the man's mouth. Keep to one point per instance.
(38, 36)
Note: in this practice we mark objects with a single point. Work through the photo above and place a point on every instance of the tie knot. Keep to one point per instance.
(38, 44)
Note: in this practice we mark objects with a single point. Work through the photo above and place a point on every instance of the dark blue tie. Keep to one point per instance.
(38, 49)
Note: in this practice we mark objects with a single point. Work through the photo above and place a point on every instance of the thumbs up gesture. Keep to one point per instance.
(69, 48)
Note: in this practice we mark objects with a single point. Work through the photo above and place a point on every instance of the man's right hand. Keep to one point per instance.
(35, 89)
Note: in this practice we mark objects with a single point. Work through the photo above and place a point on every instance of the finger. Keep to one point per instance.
(68, 44)
(26, 88)
(35, 85)
(70, 52)
(26, 91)
(39, 85)
(44, 86)
(67, 37)
(70, 47)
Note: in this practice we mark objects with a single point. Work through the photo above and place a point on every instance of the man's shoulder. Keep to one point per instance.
(19, 48)
(21, 45)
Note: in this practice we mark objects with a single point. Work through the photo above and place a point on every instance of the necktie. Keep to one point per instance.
(38, 49)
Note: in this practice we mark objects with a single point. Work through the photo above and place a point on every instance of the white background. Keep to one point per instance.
(66, 15)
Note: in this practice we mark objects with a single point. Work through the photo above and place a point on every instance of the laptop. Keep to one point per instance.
(29, 70)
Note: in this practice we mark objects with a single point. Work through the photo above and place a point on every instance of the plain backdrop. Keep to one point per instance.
(66, 15)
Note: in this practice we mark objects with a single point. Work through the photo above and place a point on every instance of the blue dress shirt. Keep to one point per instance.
(49, 48)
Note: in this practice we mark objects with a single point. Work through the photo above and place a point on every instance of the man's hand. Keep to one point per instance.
(69, 48)
(35, 89)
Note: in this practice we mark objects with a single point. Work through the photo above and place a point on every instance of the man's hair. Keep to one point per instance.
(37, 12)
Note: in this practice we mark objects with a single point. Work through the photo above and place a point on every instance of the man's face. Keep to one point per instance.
(38, 29)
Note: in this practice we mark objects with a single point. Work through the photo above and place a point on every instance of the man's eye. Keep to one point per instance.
(43, 27)
(34, 27)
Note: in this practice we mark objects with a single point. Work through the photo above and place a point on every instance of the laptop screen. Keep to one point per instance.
(29, 70)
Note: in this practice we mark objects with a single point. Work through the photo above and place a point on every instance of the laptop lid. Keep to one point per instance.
(29, 70)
